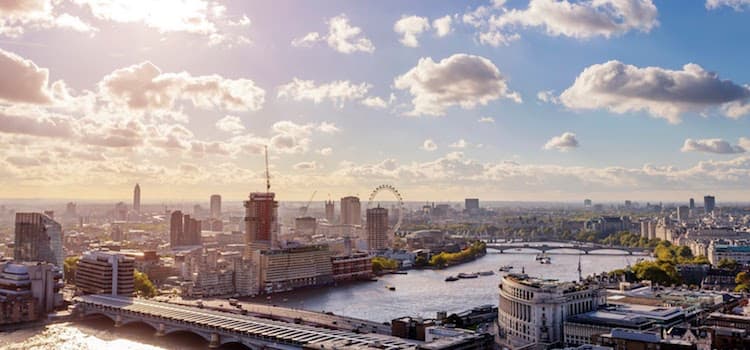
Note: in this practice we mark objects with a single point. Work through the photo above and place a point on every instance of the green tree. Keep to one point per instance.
(727, 263)
(379, 264)
(743, 282)
(70, 265)
(143, 286)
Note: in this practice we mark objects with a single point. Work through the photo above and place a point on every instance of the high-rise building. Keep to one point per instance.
(351, 211)
(70, 211)
(286, 269)
(683, 212)
(377, 228)
(216, 206)
(692, 203)
(330, 211)
(38, 238)
(105, 272)
(261, 221)
(121, 211)
(471, 204)
(587, 203)
(709, 203)
(137, 198)
(184, 230)
(305, 225)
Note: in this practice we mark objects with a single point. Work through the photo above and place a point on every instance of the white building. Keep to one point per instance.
(532, 310)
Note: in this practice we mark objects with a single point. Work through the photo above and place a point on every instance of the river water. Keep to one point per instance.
(420, 293)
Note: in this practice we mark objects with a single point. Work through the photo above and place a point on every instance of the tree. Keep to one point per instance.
(70, 265)
(726, 263)
(143, 286)
(743, 282)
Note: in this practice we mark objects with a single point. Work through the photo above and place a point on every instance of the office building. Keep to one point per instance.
(351, 211)
(532, 310)
(216, 206)
(105, 272)
(587, 203)
(692, 203)
(471, 204)
(261, 221)
(353, 266)
(709, 204)
(330, 212)
(28, 291)
(580, 328)
(287, 269)
(137, 199)
(377, 229)
(184, 230)
(120, 212)
(38, 238)
(70, 211)
(683, 212)
(306, 225)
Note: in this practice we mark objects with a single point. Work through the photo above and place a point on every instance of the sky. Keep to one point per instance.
(541, 100)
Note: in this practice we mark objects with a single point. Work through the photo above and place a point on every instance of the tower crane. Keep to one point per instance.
(304, 209)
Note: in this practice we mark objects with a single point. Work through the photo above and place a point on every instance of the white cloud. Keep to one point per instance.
(429, 145)
(22, 80)
(342, 37)
(144, 86)
(230, 124)
(328, 128)
(461, 79)
(325, 151)
(374, 102)
(442, 26)
(576, 19)
(661, 92)
(306, 165)
(338, 92)
(410, 27)
(562, 143)
(488, 120)
(717, 146)
(461, 143)
(17, 16)
(547, 96)
(737, 5)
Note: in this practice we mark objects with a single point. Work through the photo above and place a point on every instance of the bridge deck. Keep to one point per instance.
(240, 324)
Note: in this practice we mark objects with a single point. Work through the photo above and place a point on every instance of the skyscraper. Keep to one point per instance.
(709, 203)
(692, 203)
(330, 211)
(377, 228)
(351, 211)
(471, 204)
(216, 206)
(682, 213)
(38, 238)
(261, 221)
(137, 198)
(184, 230)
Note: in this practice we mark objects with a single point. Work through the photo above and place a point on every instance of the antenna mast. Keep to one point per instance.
(268, 175)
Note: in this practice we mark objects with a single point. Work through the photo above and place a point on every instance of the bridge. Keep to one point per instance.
(592, 249)
(219, 328)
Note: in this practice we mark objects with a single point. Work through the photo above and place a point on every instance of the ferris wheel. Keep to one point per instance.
(399, 203)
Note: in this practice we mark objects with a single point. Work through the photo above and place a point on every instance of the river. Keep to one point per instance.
(419, 293)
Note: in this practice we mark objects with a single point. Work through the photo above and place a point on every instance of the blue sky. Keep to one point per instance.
(659, 133)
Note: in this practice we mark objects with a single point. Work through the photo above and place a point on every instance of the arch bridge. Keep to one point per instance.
(560, 249)
(219, 328)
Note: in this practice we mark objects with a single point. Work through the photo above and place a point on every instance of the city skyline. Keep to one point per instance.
(637, 100)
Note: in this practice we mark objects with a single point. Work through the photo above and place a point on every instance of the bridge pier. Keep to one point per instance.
(160, 330)
(215, 341)
(118, 321)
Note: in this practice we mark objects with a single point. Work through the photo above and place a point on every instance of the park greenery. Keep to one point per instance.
(143, 286)
(663, 270)
(380, 264)
(444, 259)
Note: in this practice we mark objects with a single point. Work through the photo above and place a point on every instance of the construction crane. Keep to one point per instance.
(268, 175)
(303, 212)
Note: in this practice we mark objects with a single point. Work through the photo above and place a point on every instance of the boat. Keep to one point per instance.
(468, 275)
(390, 287)
(505, 268)
(486, 273)
(397, 272)
(451, 279)
(545, 260)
